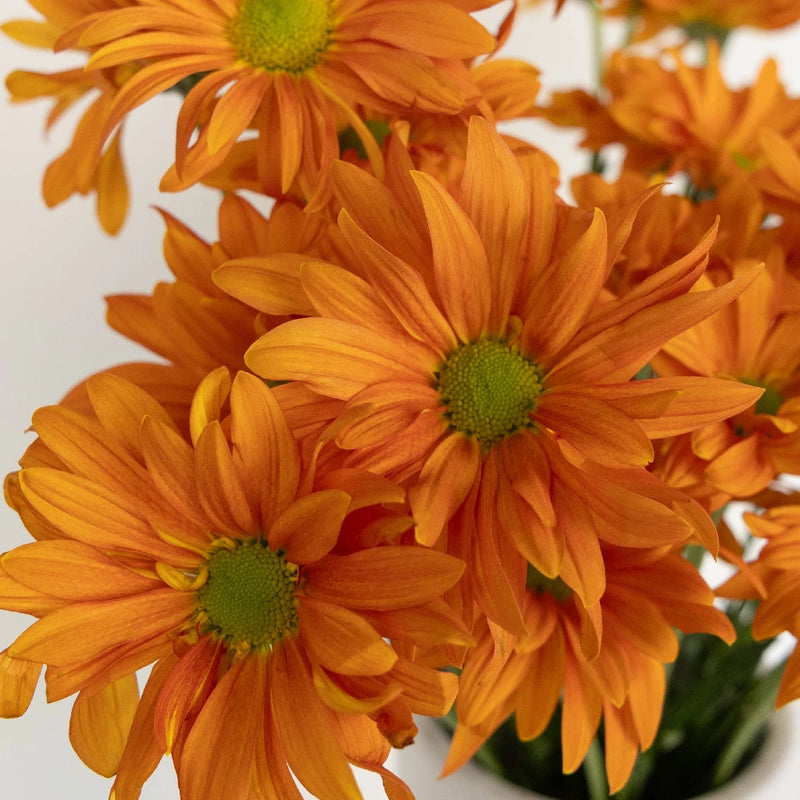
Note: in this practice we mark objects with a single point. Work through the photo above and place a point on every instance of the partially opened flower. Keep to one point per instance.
(90, 164)
(491, 377)
(754, 341)
(604, 664)
(684, 119)
(243, 577)
(772, 579)
(295, 72)
(702, 18)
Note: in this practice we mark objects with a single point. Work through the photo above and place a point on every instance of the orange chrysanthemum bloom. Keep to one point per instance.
(190, 321)
(604, 663)
(681, 120)
(773, 579)
(196, 326)
(294, 71)
(702, 17)
(89, 164)
(490, 377)
(668, 225)
(779, 178)
(436, 143)
(258, 589)
(755, 341)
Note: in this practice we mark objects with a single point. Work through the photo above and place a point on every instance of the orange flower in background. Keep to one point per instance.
(239, 574)
(89, 165)
(604, 663)
(753, 341)
(703, 17)
(195, 326)
(436, 143)
(491, 379)
(293, 71)
(772, 579)
(684, 119)
(668, 224)
(190, 321)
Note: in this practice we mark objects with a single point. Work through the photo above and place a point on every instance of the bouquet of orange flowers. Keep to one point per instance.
(422, 434)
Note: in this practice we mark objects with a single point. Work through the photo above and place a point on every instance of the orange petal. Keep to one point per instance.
(342, 641)
(84, 631)
(317, 761)
(218, 759)
(443, 485)
(100, 723)
(185, 690)
(208, 400)
(401, 288)
(597, 430)
(73, 571)
(337, 358)
(309, 528)
(264, 449)
(268, 283)
(112, 188)
(383, 578)
(235, 110)
(142, 753)
(18, 681)
(496, 198)
(461, 267)
(219, 484)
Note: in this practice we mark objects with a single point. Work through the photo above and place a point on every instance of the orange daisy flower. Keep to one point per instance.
(492, 380)
(604, 663)
(667, 225)
(704, 17)
(681, 120)
(196, 326)
(436, 143)
(88, 165)
(243, 577)
(773, 579)
(754, 340)
(294, 71)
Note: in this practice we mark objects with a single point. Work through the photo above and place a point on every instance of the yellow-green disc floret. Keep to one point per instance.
(248, 598)
(538, 583)
(769, 402)
(489, 389)
(282, 35)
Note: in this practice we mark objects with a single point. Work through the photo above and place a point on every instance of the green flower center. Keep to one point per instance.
(770, 401)
(248, 598)
(489, 390)
(282, 35)
(541, 583)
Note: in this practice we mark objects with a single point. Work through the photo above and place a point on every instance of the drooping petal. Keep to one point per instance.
(226, 732)
(100, 723)
(18, 681)
(142, 753)
(317, 760)
(342, 641)
(443, 485)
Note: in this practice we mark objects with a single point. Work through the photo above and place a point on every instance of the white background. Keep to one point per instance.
(57, 265)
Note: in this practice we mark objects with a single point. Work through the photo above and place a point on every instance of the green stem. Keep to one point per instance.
(595, 771)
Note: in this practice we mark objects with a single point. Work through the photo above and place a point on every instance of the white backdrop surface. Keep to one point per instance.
(57, 265)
